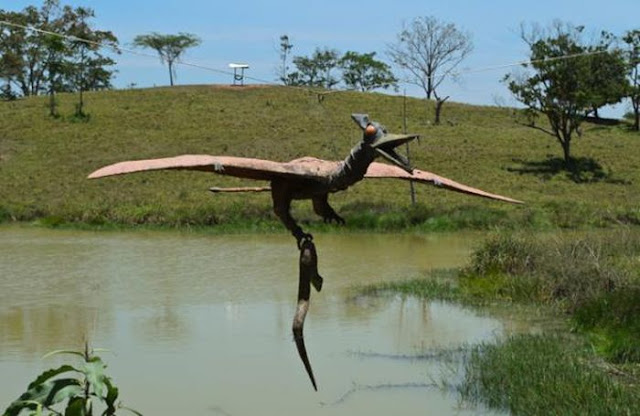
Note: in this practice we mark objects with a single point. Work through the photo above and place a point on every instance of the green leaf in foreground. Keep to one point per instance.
(47, 394)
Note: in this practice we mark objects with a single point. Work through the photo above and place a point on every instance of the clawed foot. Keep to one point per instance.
(301, 237)
(334, 218)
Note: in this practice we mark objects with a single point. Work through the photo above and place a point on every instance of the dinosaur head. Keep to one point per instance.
(376, 136)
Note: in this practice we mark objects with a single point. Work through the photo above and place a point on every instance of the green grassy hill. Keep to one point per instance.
(44, 161)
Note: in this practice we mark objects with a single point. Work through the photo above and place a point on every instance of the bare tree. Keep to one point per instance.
(430, 50)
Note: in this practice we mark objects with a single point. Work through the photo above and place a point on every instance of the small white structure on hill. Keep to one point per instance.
(238, 73)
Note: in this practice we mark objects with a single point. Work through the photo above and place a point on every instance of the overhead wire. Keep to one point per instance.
(119, 49)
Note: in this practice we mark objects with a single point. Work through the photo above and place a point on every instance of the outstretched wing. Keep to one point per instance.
(381, 170)
(241, 167)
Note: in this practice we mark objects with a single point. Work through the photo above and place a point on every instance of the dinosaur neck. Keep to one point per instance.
(353, 168)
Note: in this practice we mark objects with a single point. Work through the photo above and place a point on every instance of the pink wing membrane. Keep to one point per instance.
(381, 170)
(303, 168)
(226, 165)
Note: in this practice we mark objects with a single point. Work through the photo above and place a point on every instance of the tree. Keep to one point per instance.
(49, 59)
(365, 73)
(562, 85)
(87, 67)
(25, 52)
(285, 50)
(607, 81)
(315, 71)
(169, 47)
(430, 50)
(632, 39)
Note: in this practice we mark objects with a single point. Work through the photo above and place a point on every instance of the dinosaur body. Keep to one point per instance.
(307, 178)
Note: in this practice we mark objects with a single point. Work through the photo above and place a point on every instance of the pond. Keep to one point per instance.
(201, 324)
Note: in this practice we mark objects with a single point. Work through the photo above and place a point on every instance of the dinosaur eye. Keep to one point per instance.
(371, 130)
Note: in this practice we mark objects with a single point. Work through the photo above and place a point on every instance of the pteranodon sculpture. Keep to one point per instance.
(308, 178)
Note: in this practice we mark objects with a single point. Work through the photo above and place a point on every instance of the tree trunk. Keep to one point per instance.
(52, 104)
(439, 104)
(80, 109)
(170, 73)
(566, 150)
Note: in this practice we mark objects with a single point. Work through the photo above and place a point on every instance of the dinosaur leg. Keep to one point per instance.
(281, 195)
(322, 208)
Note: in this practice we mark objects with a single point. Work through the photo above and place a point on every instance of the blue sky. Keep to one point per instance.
(248, 31)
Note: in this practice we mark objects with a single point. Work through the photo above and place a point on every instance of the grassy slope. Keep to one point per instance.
(44, 161)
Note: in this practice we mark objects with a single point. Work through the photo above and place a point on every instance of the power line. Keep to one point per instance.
(119, 49)
(530, 62)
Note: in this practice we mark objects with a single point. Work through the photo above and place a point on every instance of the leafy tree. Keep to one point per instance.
(430, 50)
(365, 73)
(25, 52)
(563, 85)
(54, 66)
(87, 67)
(285, 50)
(169, 47)
(632, 40)
(35, 62)
(607, 81)
(315, 71)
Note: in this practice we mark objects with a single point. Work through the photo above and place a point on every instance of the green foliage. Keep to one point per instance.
(595, 279)
(565, 89)
(544, 375)
(569, 270)
(39, 63)
(76, 391)
(613, 319)
(169, 47)
(363, 72)
(632, 41)
(358, 71)
(315, 71)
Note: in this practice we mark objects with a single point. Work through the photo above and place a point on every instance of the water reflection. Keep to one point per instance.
(203, 322)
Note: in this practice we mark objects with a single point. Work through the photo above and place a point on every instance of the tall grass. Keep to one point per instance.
(532, 375)
(569, 269)
(594, 278)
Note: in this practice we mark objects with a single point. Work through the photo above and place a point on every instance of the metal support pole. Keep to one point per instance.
(412, 189)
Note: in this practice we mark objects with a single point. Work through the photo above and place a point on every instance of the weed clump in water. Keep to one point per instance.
(592, 278)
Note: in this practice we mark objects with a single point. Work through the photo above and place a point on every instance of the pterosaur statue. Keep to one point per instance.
(308, 178)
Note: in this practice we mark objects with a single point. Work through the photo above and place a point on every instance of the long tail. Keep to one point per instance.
(308, 275)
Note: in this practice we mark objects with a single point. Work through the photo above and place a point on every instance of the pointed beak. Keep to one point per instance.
(386, 144)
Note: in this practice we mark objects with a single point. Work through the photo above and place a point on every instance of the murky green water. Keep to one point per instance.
(200, 325)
